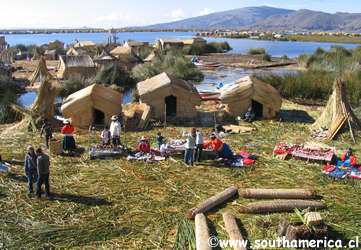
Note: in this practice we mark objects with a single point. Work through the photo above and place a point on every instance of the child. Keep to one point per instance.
(190, 146)
(144, 146)
(106, 136)
(159, 139)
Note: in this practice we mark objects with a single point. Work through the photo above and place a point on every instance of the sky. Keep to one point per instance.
(120, 13)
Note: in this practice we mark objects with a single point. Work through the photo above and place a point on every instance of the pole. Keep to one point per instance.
(276, 137)
(348, 121)
(165, 120)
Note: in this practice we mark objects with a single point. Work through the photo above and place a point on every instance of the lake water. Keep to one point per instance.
(274, 48)
(225, 75)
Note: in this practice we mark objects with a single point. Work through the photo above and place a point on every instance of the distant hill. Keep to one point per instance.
(308, 20)
(226, 19)
(268, 18)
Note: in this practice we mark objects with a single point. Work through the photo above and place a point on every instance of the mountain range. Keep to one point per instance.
(269, 18)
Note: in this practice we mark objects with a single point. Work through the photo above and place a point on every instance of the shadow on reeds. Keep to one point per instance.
(243, 232)
(296, 116)
(212, 231)
(18, 163)
(76, 153)
(86, 200)
(16, 177)
(334, 235)
(2, 196)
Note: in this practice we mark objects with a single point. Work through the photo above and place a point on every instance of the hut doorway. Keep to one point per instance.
(98, 117)
(257, 109)
(171, 105)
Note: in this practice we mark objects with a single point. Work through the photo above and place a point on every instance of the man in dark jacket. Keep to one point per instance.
(47, 129)
(43, 164)
(30, 167)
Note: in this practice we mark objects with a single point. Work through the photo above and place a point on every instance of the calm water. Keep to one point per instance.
(274, 48)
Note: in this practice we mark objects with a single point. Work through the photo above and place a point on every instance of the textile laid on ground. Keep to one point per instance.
(3, 167)
(305, 152)
(238, 129)
(239, 160)
(177, 144)
(99, 152)
(153, 155)
(342, 170)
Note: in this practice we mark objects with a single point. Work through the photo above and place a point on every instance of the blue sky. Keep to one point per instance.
(113, 13)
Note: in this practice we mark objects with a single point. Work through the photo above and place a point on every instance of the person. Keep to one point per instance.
(144, 146)
(105, 135)
(199, 146)
(165, 148)
(159, 139)
(68, 139)
(43, 164)
(219, 85)
(217, 145)
(47, 129)
(189, 146)
(250, 115)
(349, 158)
(115, 131)
(30, 167)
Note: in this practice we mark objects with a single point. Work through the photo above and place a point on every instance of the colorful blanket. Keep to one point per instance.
(3, 167)
(342, 170)
(239, 160)
(305, 152)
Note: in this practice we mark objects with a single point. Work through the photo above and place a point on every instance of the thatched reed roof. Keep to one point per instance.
(104, 56)
(80, 105)
(122, 50)
(84, 44)
(336, 112)
(152, 86)
(83, 61)
(252, 88)
(135, 43)
(41, 71)
(194, 41)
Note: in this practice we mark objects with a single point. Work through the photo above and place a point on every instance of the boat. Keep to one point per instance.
(207, 64)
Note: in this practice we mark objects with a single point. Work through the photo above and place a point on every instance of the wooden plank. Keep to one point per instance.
(144, 120)
(212, 202)
(202, 232)
(233, 230)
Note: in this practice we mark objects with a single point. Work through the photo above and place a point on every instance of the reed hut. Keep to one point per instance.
(75, 65)
(50, 54)
(93, 105)
(167, 43)
(104, 59)
(247, 92)
(80, 52)
(126, 56)
(83, 44)
(193, 41)
(171, 96)
(41, 72)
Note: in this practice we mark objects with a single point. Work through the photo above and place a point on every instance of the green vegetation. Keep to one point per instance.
(324, 38)
(205, 48)
(266, 57)
(9, 91)
(113, 204)
(173, 62)
(256, 51)
(72, 85)
(284, 57)
(117, 77)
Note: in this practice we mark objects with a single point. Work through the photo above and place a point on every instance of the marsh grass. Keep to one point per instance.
(120, 204)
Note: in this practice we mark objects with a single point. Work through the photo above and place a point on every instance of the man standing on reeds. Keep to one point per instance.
(30, 167)
(43, 164)
(190, 146)
(47, 129)
(115, 131)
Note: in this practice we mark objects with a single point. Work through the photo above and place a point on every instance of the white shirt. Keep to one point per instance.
(191, 141)
(115, 128)
(199, 138)
(165, 147)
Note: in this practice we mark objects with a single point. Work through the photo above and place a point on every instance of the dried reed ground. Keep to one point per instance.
(115, 203)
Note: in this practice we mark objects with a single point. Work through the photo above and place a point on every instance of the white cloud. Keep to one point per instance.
(177, 14)
(206, 11)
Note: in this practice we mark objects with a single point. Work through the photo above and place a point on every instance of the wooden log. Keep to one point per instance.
(280, 206)
(277, 193)
(202, 232)
(233, 230)
(212, 202)
(313, 218)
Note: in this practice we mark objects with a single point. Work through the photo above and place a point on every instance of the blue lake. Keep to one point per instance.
(274, 48)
